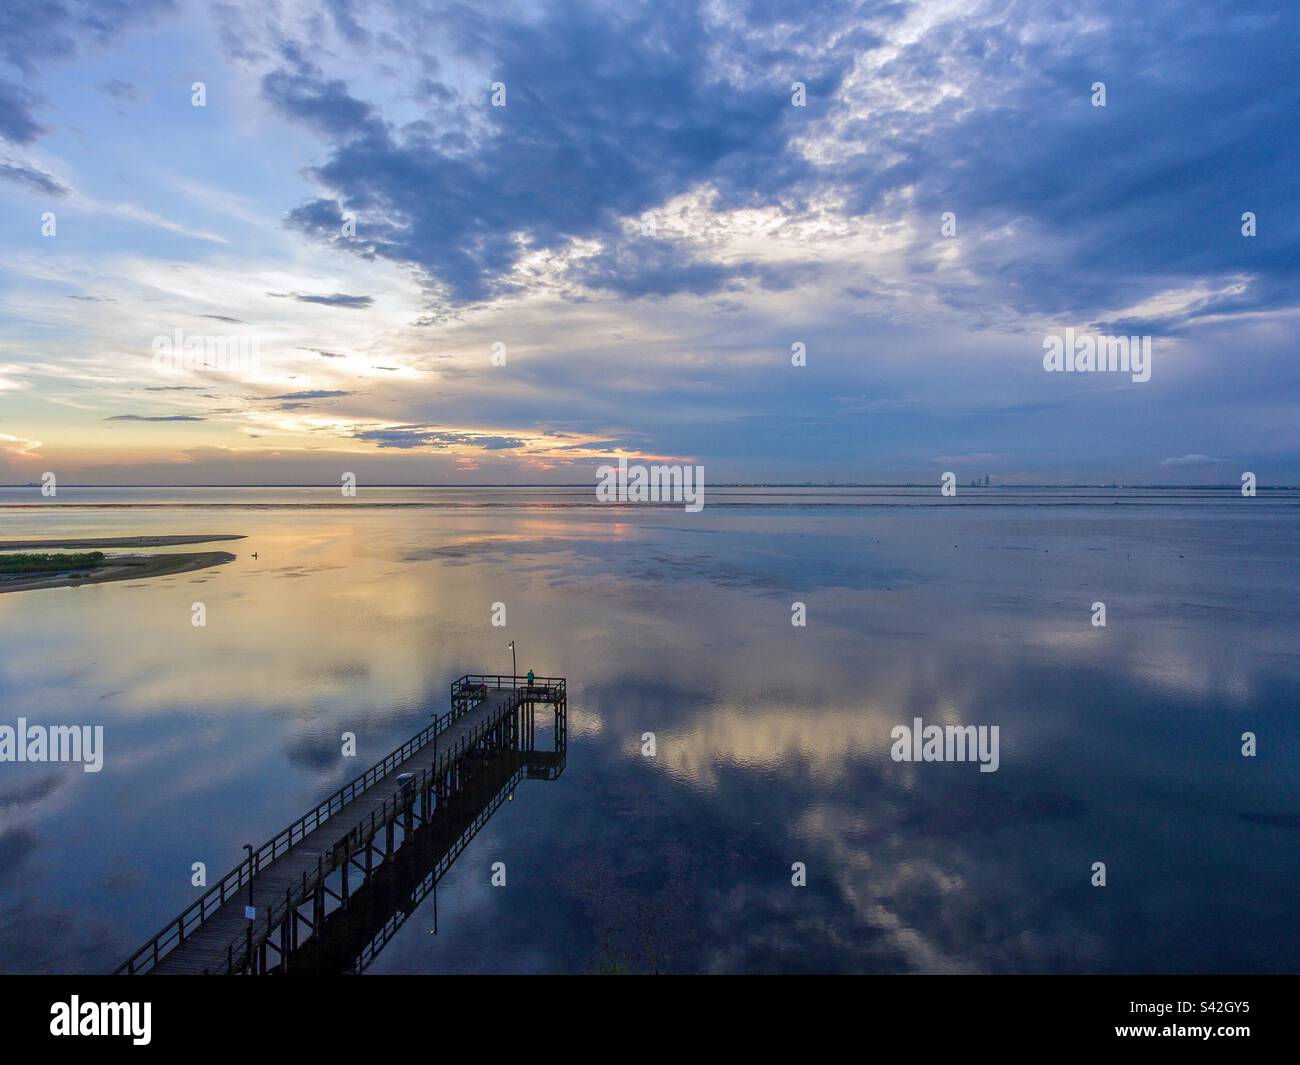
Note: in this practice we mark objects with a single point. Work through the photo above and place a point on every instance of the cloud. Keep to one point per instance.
(610, 111)
(1189, 461)
(17, 445)
(1097, 206)
(321, 393)
(32, 31)
(119, 90)
(336, 299)
(151, 218)
(17, 124)
(613, 111)
(155, 418)
(424, 436)
(298, 91)
(775, 223)
(32, 178)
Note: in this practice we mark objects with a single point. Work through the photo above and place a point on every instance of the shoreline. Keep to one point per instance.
(117, 541)
(121, 568)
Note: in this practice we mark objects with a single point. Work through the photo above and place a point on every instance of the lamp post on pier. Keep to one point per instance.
(514, 664)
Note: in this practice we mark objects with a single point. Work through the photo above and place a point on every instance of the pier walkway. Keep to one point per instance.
(310, 870)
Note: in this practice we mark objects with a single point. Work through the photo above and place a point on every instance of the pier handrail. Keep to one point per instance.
(470, 689)
(378, 817)
(507, 680)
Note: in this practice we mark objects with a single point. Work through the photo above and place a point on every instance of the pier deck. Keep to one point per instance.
(303, 871)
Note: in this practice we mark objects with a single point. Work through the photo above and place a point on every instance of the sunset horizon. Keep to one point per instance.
(317, 250)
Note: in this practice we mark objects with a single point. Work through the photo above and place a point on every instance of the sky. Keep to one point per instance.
(503, 243)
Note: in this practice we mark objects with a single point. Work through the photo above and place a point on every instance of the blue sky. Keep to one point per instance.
(644, 229)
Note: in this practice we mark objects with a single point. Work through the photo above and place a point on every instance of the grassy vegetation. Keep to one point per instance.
(50, 563)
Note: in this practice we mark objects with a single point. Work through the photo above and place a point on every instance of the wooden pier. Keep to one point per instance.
(415, 810)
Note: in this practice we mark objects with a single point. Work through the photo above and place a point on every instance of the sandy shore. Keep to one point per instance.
(119, 568)
(114, 541)
(115, 567)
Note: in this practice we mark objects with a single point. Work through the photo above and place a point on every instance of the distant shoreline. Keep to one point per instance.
(1266, 503)
(116, 541)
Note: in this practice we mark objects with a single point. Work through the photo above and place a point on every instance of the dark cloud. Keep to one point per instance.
(316, 394)
(120, 90)
(29, 792)
(32, 31)
(345, 22)
(16, 846)
(32, 178)
(223, 318)
(299, 91)
(17, 124)
(430, 90)
(35, 31)
(1103, 205)
(155, 418)
(611, 110)
(336, 299)
(425, 436)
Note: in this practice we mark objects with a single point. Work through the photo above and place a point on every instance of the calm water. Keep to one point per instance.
(1119, 744)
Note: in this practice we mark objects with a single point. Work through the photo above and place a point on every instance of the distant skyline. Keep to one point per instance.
(403, 279)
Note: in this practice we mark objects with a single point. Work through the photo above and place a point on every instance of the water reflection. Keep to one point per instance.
(1118, 744)
(352, 936)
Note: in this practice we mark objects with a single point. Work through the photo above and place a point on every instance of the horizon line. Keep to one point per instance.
(721, 484)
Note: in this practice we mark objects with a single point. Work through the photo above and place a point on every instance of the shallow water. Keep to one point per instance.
(1119, 744)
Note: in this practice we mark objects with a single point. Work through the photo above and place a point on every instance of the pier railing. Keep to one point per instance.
(466, 693)
(545, 687)
(342, 850)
